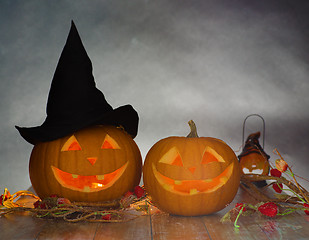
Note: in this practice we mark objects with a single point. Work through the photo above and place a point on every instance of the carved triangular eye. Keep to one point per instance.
(172, 157)
(210, 155)
(109, 143)
(71, 145)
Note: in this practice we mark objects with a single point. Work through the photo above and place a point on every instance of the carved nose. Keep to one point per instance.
(92, 160)
(192, 169)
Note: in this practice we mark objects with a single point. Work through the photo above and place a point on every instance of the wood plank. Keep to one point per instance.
(20, 226)
(161, 225)
(294, 226)
(248, 229)
(136, 229)
(60, 229)
(165, 226)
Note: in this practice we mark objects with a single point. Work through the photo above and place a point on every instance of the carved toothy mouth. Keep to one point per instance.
(93, 183)
(191, 187)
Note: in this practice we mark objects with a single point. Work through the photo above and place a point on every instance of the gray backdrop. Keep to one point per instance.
(174, 60)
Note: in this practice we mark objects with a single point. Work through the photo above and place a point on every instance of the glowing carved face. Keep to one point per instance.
(90, 183)
(190, 173)
(194, 186)
(254, 163)
(95, 164)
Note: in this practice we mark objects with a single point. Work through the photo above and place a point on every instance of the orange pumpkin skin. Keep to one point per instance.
(99, 163)
(253, 159)
(254, 163)
(194, 183)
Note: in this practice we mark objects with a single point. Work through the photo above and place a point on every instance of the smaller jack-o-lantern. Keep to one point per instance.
(99, 163)
(253, 159)
(191, 175)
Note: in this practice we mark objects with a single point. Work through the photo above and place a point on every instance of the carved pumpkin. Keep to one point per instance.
(99, 163)
(253, 159)
(191, 176)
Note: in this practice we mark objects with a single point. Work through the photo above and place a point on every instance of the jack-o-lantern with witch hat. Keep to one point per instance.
(84, 150)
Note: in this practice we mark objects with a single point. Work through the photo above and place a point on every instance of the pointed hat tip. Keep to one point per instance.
(73, 26)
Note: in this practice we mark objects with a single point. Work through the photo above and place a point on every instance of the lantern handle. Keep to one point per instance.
(243, 128)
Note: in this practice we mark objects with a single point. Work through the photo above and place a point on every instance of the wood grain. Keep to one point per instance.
(20, 226)
(160, 226)
(165, 226)
(59, 229)
(294, 226)
(136, 229)
(226, 231)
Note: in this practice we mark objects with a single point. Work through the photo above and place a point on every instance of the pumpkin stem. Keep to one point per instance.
(193, 133)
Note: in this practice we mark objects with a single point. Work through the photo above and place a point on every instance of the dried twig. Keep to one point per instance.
(289, 184)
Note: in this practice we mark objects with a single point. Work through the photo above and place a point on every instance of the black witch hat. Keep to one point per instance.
(74, 102)
(252, 145)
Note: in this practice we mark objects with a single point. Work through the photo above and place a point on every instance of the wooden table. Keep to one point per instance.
(160, 226)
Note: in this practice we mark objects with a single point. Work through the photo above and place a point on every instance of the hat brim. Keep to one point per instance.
(124, 116)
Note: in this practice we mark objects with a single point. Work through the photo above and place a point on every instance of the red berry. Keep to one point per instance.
(139, 191)
(40, 204)
(1, 198)
(277, 188)
(275, 172)
(306, 205)
(128, 194)
(107, 217)
(53, 196)
(43, 205)
(61, 201)
(37, 204)
(269, 209)
(240, 206)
